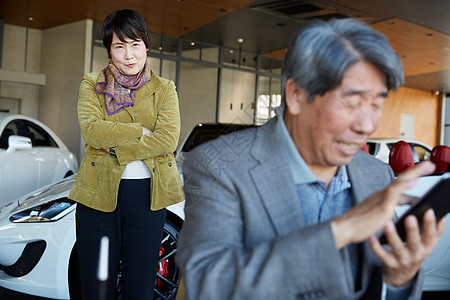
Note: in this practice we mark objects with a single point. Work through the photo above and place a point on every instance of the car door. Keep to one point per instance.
(19, 169)
(48, 154)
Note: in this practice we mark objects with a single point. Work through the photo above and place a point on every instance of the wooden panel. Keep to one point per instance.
(422, 50)
(170, 17)
(423, 105)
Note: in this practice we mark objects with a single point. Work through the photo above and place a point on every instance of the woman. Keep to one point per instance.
(129, 119)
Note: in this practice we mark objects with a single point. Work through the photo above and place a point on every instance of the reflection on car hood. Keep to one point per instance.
(47, 193)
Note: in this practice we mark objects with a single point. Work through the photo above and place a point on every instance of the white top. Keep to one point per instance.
(136, 170)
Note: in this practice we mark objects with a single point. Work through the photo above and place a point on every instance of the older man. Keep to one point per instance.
(290, 210)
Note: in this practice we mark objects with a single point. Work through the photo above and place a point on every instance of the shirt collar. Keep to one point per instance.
(300, 171)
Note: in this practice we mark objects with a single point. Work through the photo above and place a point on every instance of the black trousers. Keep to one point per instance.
(134, 233)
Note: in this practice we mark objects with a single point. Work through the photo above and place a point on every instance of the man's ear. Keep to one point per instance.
(294, 96)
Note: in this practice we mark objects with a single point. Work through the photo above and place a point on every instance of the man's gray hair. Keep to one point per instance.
(321, 53)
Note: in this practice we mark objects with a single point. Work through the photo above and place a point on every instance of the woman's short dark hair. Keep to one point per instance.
(321, 53)
(125, 23)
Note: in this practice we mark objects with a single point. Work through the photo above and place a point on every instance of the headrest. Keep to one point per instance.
(440, 155)
(401, 157)
(365, 148)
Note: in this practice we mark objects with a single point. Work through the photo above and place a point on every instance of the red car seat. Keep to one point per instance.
(440, 155)
(365, 148)
(401, 157)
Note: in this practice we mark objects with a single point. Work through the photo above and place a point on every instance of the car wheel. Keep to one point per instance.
(167, 277)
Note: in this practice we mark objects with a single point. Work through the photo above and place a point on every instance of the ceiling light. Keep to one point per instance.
(160, 48)
(240, 40)
(192, 43)
(231, 51)
(30, 19)
(437, 93)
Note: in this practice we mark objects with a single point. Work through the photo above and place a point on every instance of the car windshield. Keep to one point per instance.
(203, 133)
(420, 153)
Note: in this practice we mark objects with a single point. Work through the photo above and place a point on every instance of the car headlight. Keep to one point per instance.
(47, 212)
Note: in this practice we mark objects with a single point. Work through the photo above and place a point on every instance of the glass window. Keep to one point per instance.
(197, 91)
(39, 137)
(191, 50)
(155, 64)
(169, 69)
(373, 148)
(169, 45)
(248, 60)
(447, 122)
(265, 64)
(268, 99)
(422, 152)
(100, 58)
(11, 129)
(447, 113)
(155, 43)
(276, 65)
(237, 94)
(210, 54)
(447, 135)
(270, 64)
(230, 57)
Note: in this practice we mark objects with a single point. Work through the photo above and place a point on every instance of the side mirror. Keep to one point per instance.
(17, 142)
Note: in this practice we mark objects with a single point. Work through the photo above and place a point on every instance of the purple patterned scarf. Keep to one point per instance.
(120, 90)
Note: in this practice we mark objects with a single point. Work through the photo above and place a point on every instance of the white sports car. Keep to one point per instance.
(437, 265)
(380, 148)
(31, 156)
(37, 245)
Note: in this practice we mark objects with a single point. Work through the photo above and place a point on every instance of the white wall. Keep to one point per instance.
(197, 92)
(237, 93)
(66, 56)
(17, 96)
(14, 38)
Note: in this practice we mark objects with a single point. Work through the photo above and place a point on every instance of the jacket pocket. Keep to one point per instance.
(166, 186)
(91, 171)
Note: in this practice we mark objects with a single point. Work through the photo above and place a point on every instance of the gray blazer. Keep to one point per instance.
(244, 236)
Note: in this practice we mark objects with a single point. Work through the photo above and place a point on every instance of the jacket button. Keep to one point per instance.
(170, 164)
(93, 164)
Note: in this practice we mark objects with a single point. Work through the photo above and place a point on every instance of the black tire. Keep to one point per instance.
(166, 287)
(168, 279)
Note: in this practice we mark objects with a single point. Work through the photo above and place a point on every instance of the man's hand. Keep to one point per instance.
(368, 217)
(401, 264)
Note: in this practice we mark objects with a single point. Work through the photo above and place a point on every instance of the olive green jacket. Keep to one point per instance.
(156, 108)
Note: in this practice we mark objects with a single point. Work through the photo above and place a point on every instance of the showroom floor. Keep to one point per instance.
(10, 295)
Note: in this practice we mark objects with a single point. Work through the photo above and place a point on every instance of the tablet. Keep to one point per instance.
(437, 198)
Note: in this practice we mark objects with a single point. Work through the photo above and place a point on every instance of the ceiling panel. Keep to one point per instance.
(418, 29)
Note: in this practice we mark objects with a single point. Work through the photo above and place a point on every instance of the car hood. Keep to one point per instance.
(47, 193)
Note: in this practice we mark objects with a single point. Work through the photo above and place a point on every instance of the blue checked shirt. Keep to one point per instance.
(320, 204)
